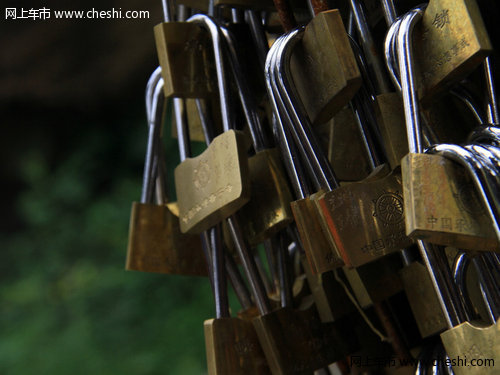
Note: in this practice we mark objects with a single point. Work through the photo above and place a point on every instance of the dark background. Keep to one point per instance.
(72, 147)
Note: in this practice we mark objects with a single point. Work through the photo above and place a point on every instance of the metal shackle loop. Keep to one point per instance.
(215, 34)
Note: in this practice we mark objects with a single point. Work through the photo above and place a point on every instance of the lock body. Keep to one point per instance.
(365, 219)
(323, 67)
(184, 55)
(442, 206)
(452, 41)
(213, 185)
(157, 245)
(233, 348)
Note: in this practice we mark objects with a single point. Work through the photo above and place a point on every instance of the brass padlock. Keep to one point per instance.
(233, 348)
(320, 252)
(183, 53)
(323, 67)
(213, 185)
(155, 241)
(269, 208)
(438, 207)
(371, 223)
(191, 109)
(442, 205)
(453, 41)
(296, 342)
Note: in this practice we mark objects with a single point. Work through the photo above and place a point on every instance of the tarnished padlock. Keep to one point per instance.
(232, 345)
(324, 68)
(439, 201)
(452, 42)
(155, 241)
(320, 254)
(184, 55)
(269, 208)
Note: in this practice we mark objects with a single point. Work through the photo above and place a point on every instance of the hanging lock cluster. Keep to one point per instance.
(348, 184)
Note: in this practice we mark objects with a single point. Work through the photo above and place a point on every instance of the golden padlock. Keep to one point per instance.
(365, 219)
(323, 67)
(453, 41)
(442, 205)
(473, 348)
(233, 348)
(185, 59)
(213, 185)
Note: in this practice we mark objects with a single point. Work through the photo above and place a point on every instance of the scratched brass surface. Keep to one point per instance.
(442, 206)
(452, 42)
(321, 255)
(324, 68)
(213, 185)
(233, 348)
(471, 342)
(184, 55)
(156, 244)
(366, 219)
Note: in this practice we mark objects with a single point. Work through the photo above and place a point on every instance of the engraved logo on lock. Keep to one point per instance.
(201, 175)
(389, 208)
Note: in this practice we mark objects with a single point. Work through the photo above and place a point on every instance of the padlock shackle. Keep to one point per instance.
(408, 79)
(168, 14)
(154, 129)
(390, 13)
(489, 288)
(493, 113)
(246, 98)
(465, 96)
(150, 89)
(460, 266)
(208, 23)
(284, 139)
(301, 127)
(446, 291)
(390, 53)
(366, 38)
(488, 134)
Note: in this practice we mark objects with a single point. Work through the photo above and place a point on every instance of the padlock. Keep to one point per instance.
(324, 68)
(462, 339)
(294, 340)
(444, 213)
(376, 203)
(313, 240)
(183, 53)
(453, 41)
(155, 241)
(269, 208)
(232, 346)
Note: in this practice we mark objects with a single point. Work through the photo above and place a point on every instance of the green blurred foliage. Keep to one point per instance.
(68, 306)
